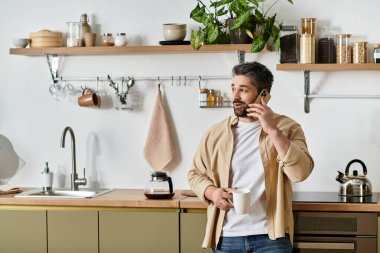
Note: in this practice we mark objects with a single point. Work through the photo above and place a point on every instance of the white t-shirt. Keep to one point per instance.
(247, 171)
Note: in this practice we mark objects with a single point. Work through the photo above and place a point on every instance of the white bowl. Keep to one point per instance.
(21, 42)
(174, 31)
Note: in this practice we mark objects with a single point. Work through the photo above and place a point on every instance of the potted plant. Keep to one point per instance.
(246, 16)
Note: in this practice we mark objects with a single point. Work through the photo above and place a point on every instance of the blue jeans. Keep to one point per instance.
(253, 244)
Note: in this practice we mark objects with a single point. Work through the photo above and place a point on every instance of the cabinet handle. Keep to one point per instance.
(323, 245)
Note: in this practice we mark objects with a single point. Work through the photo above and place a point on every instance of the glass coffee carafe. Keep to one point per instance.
(159, 187)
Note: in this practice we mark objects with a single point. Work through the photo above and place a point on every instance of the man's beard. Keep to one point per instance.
(241, 112)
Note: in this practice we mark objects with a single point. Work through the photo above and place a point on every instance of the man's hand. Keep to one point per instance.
(221, 197)
(266, 116)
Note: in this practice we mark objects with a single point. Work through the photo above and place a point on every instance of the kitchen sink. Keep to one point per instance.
(63, 193)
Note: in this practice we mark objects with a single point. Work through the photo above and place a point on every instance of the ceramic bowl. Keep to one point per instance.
(21, 42)
(174, 31)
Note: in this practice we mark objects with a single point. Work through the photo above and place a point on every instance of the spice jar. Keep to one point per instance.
(289, 44)
(343, 49)
(359, 52)
(326, 46)
(203, 93)
(307, 49)
(376, 53)
(107, 40)
(120, 40)
(211, 97)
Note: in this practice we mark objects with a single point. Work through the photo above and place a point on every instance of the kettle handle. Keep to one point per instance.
(356, 161)
(170, 185)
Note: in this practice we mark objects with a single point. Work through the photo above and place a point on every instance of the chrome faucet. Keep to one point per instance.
(75, 181)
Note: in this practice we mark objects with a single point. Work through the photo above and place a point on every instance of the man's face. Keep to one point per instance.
(243, 92)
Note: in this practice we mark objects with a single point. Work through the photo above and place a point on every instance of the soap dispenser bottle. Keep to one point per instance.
(47, 179)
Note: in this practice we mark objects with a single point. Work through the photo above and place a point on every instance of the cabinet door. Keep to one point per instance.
(22, 231)
(72, 231)
(139, 231)
(193, 227)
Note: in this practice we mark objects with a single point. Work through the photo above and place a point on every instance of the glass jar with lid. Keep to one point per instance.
(359, 52)
(376, 53)
(343, 49)
(120, 40)
(326, 46)
(289, 44)
(73, 35)
(108, 40)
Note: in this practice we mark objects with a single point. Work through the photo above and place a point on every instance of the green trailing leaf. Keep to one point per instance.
(241, 20)
(221, 12)
(258, 44)
(212, 34)
(221, 3)
(198, 13)
(195, 40)
(276, 42)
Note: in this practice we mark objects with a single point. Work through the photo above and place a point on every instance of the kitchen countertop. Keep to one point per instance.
(135, 198)
(117, 198)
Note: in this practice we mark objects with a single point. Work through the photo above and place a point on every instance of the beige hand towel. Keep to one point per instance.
(159, 150)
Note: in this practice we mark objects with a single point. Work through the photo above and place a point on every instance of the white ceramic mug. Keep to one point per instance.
(241, 200)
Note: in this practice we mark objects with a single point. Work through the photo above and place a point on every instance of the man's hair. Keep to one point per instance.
(260, 75)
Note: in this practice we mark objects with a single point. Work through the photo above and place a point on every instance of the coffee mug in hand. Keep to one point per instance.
(88, 98)
(241, 200)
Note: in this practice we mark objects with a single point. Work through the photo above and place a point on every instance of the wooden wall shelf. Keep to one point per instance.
(307, 68)
(328, 67)
(246, 48)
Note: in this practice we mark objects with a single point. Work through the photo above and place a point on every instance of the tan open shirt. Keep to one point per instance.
(211, 166)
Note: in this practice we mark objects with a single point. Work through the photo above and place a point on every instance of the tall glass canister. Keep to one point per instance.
(326, 46)
(343, 49)
(307, 40)
(289, 44)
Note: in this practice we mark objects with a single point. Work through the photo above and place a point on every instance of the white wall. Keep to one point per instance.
(110, 142)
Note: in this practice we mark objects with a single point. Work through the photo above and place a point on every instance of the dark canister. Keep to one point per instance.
(326, 46)
(289, 44)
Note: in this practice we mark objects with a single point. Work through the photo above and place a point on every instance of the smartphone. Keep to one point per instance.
(263, 94)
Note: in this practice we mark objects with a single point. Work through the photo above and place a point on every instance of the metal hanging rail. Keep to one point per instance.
(181, 78)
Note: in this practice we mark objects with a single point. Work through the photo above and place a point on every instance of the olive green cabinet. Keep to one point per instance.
(193, 225)
(139, 231)
(23, 231)
(72, 231)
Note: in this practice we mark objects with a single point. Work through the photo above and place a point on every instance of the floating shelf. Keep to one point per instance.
(307, 68)
(246, 48)
(328, 67)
